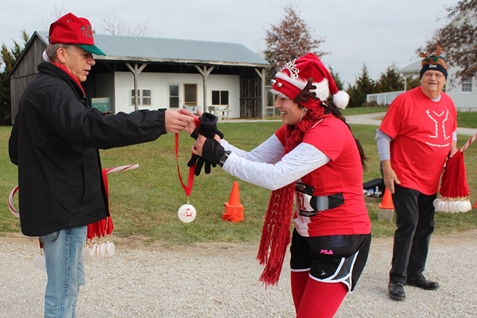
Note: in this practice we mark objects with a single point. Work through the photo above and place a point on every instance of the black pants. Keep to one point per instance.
(323, 256)
(415, 224)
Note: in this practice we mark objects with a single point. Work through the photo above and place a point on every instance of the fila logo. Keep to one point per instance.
(327, 252)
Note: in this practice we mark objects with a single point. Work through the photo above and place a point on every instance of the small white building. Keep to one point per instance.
(164, 73)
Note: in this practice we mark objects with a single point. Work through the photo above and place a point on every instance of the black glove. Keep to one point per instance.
(208, 128)
(212, 151)
(200, 162)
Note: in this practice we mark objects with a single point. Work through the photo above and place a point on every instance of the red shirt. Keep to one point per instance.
(421, 130)
(343, 174)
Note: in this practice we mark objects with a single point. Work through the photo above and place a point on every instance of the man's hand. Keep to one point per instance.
(390, 176)
(453, 149)
(177, 122)
(192, 128)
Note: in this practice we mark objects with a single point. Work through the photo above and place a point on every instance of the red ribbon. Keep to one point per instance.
(190, 180)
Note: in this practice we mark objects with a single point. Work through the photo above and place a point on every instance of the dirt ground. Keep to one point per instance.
(221, 280)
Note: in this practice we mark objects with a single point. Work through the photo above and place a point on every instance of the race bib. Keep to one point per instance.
(303, 195)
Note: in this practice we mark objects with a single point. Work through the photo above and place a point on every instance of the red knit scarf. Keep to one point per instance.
(276, 228)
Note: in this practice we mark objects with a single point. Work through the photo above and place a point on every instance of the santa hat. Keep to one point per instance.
(294, 78)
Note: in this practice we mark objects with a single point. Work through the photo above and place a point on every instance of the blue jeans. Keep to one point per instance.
(65, 270)
(415, 224)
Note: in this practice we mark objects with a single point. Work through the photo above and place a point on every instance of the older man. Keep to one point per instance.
(414, 140)
(55, 142)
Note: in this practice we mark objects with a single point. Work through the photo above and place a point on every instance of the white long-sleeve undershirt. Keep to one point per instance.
(265, 166)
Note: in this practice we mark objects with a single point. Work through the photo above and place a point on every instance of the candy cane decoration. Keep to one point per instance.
(122, 168)
(467, 144)
(10, 202)
(108, 170)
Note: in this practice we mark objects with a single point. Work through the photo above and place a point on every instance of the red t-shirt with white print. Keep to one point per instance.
(421, 130)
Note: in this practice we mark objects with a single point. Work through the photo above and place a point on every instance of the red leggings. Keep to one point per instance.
(314, 299)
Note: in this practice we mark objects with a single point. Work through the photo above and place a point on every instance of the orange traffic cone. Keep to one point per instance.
(233, 209)
(475, 205)
(386, 208)
(387, 202)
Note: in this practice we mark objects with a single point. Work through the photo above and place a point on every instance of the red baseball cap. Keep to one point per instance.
(70, 29)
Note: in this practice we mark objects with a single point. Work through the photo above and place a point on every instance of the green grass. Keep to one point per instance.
(352, 111)
(467, 119)
(144, 201)
(363, 110)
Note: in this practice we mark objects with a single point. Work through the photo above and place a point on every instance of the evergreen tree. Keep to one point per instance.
(412, 82)
(390, 81)
(337, 78)
(364, 85)
(8, 60)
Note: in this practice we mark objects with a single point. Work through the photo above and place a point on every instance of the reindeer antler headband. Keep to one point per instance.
(433, 61)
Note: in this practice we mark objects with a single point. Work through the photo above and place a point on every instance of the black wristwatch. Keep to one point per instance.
(224, 157)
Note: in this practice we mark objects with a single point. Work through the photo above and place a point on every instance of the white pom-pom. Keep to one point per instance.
(465, 206)
(341, 99)
(45, 57)
(469, 206)
(436, 204)
(445, 206)
(440, 206)
(453, 206)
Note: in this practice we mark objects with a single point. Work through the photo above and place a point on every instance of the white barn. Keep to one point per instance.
(165, 73)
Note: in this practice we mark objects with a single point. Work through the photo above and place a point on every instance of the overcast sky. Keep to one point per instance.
(376, 33)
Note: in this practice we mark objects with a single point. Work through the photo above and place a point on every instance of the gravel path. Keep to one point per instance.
(220, 280)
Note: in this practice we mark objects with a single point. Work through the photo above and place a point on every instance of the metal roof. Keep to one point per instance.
(411, 69)
(147, 49)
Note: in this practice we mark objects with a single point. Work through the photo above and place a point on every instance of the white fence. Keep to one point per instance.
(383, 98)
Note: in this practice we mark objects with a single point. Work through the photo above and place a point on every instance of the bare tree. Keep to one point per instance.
(289, 39)
(111, 25)
(55, 14)
(117, 26)
(458, 39)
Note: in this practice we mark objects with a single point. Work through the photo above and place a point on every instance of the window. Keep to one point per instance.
(133, 96)
(467, 85)
(144, 97)
(173, 96)
(190, 94)
(220, 97)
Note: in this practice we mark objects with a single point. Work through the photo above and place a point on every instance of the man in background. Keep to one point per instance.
(414, 139)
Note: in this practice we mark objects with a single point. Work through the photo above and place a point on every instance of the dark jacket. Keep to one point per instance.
(55, 142)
